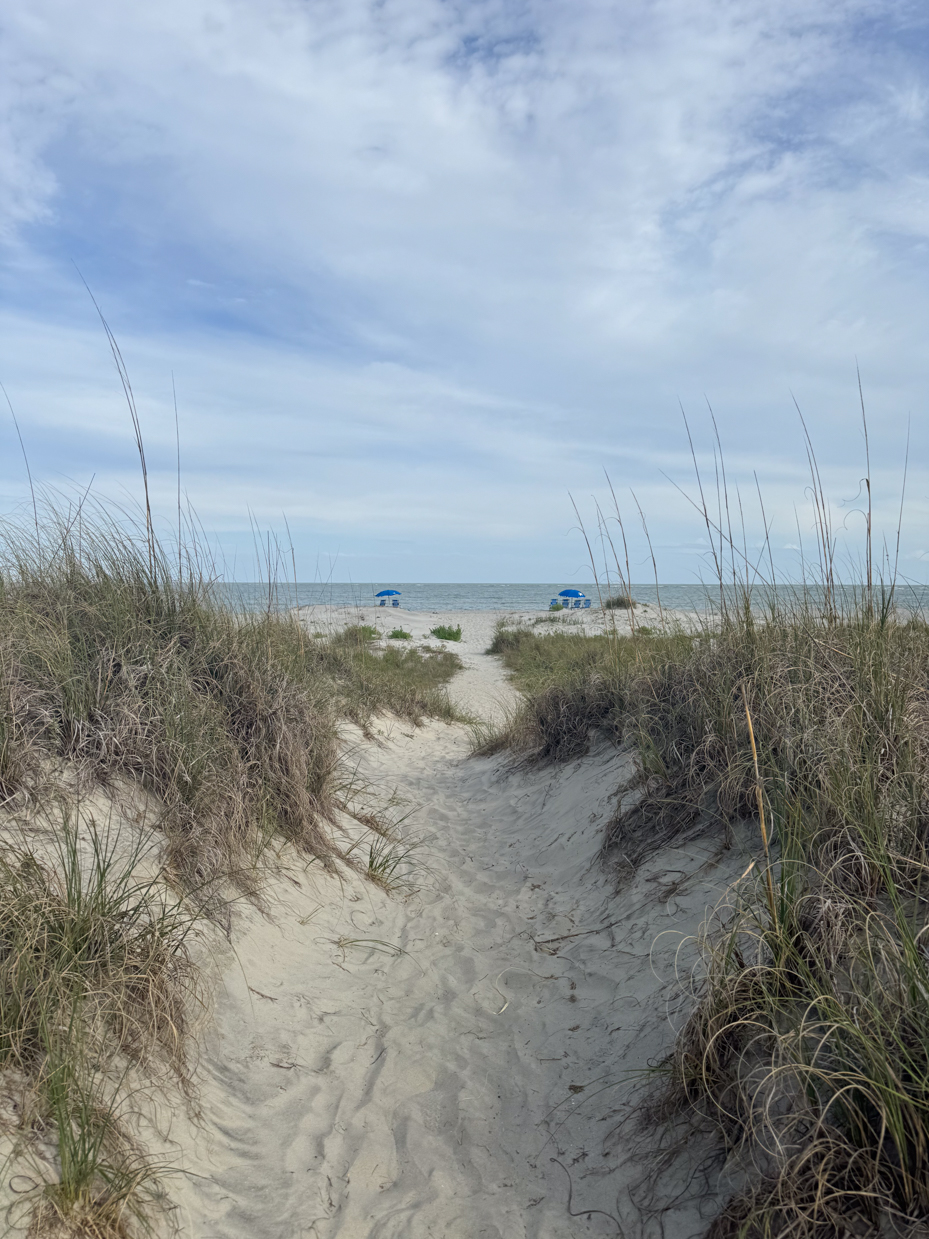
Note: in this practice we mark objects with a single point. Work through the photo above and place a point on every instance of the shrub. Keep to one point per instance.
(621, 602)
(399, 635)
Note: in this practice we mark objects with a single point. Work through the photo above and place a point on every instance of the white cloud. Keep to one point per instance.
(483, 245)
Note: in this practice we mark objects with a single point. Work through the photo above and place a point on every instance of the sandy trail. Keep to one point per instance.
(408, 1066)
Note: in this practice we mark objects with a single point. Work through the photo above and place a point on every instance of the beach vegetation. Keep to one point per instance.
(619, 602)
(124, 679)
(359, 633)
(572, 686)
(377, 945)
(803, 712)
(807, 1049)
(445, 632)
(113, 662)
(398, 634)
(95, 979)
(391, 864)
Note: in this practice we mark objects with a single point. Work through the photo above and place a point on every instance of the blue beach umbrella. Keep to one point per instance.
(571, 593)
(388, 593)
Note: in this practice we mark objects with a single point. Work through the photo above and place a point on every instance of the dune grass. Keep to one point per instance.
(807, 1049)
(95, 979)
(119, 670)
(805, 710)
(572, 685)
(408, 682)
(112, 662)
(363, 632)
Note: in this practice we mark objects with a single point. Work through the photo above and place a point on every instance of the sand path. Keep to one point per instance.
(408, 1066)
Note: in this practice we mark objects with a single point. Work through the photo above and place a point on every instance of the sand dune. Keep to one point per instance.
(411, 1065)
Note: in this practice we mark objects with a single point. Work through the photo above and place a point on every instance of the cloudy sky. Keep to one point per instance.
(422, 268)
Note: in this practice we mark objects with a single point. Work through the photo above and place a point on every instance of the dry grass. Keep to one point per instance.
(119, 670)
(808, 1047)
(806, 710)
(113, 665)
(95, 979)
(571, 686)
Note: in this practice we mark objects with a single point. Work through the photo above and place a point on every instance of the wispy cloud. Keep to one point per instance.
(421, 267)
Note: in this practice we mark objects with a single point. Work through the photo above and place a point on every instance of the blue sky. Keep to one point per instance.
(420, 269)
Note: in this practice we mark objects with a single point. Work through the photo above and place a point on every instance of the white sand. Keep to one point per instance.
(407, 1067)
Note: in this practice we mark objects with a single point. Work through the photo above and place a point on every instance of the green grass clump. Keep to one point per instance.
(556, 606)
(399, 635)
(409, 682)
(361, 632)
(84, 938)
(391, 865)
(536, 660)
(445, 632)
(619, 602)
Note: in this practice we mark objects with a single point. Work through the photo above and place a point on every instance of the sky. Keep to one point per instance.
(423, 273)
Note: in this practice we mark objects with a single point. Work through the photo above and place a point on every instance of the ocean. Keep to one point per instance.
(451, 596)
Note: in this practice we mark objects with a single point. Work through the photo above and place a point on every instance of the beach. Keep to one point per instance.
(352, 928)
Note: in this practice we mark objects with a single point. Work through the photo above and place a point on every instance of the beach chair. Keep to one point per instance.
(395, 602)
(586, 602)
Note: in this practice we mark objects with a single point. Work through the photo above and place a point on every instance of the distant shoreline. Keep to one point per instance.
(526, 598)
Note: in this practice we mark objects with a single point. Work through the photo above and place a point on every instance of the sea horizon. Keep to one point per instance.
(522, 596)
